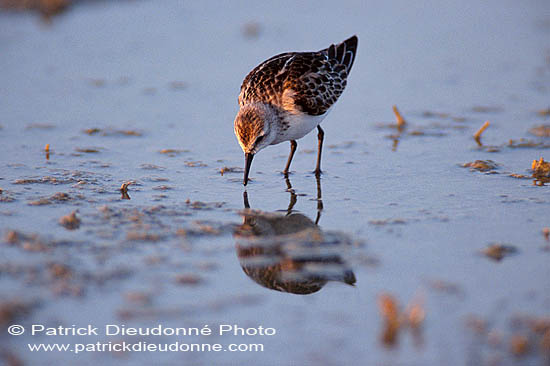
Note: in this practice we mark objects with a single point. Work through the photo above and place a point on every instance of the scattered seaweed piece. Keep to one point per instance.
(546, 233)
(173, 152)
(162, 188)
(394, 320)
(151, 167)
(203, 228)
(188, 279)
(481, 165)
(432, 114)
(39, 126)
(198, 205)
(415, 314)
(92, 131)
(519, 345)
(140, 298)
(486, 109)
(498, 251)
(195, 164)
(528, 335)
(142, 236)
(70, 221)
(30, 243)
(252, 30)
(544, 112)
(390, 313)
(399, 118)
(525, 143)
(442, 115)
(60, 271)
(57, 197)
(477, 324)
(342, 145)
(520, 176)
(477, 135)
(124, 190)
(98, 83)
(178, 85)
(149, 91)
(446, 287)
(388, 221)
(87, 150)
(226, 169)
(111, 132)
(540, 131)
(6, 196)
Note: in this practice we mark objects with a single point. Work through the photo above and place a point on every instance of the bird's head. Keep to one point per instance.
(255, 128)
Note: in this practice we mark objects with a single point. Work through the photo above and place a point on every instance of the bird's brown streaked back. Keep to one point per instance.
(317, 78)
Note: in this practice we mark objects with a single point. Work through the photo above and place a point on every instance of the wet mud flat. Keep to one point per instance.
(425, 241)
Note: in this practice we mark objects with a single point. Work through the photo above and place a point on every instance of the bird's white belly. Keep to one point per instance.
(299, 125)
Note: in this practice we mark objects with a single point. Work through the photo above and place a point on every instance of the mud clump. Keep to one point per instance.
(541, 168)
(540, 131)
(47, 8)
(481, 165)
(529, 336)
(31, 243)
(519, 345)
(541, 171)
(252, 30)
(70, 221)
(58, 197)
(13, 309)
(497, 251)
(60, 271)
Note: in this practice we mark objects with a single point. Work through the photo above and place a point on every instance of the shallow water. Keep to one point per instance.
(154, 77)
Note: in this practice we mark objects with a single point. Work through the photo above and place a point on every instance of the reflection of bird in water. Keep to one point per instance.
(290, 253)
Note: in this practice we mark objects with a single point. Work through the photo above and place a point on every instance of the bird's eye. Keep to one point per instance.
(259, 139)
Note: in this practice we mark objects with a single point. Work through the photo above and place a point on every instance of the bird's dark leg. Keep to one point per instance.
(320, 137)
(293, 146)
(319, 200)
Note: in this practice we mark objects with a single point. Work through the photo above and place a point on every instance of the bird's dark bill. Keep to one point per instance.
(247, 163)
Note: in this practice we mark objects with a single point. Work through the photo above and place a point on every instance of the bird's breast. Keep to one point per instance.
(294, 126)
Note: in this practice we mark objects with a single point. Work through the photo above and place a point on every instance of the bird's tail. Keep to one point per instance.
(344, 52)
